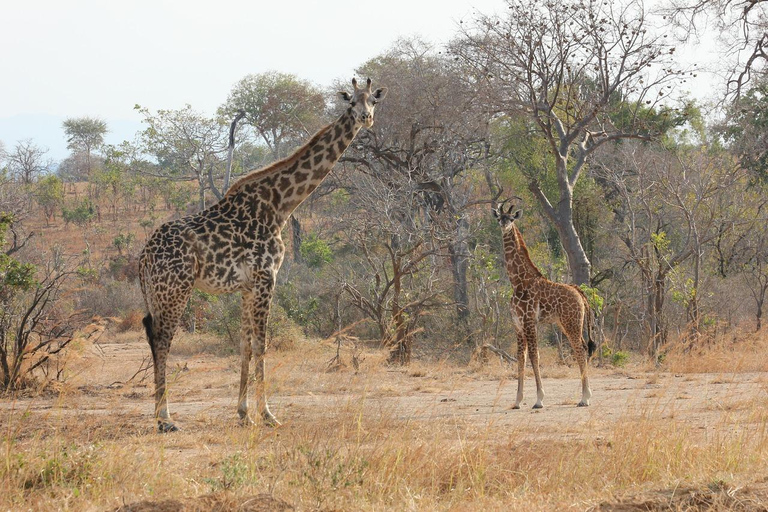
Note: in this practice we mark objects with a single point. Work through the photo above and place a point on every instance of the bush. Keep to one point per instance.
(81, 212)
(315, 252)
(111, 298)
(619, 358)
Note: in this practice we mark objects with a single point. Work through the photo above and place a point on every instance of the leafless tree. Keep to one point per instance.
(433, 133)
(582, 74)
(26, 161)
(670, 206)
(743, 34)
(392, 277)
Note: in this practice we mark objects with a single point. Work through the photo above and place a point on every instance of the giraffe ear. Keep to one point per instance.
(380, 93)
(344, 95)
(495, 213)
(517, 214)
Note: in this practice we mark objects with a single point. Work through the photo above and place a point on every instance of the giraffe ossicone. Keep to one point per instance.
(236, 245)
(536, 299)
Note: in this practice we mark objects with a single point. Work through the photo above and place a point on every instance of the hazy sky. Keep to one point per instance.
(75, 58)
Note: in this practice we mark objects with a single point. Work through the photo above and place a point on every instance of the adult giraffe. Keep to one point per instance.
(537, 299)
(235, 245)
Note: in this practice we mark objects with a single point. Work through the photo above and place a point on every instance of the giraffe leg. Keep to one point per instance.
(245, 357)
(257, 306)
(533, 353)
(521, 344)
(160, 332)
(586, 393)
(573, 332)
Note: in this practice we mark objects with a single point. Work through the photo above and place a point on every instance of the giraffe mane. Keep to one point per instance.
(257, 174)
(524, 251)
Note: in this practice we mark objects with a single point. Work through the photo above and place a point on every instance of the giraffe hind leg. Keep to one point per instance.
(160, 325)
(579, 347)
(533, 354)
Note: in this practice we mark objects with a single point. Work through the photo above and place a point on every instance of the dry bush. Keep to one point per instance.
(132, 321)
(111, 298)
(733, 352)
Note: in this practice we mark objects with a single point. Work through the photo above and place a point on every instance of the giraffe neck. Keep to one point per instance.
(288, 182)
(520, 268)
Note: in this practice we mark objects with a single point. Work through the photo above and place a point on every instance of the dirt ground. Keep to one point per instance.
(110, 379)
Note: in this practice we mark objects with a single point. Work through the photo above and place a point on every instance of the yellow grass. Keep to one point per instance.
(353, 446)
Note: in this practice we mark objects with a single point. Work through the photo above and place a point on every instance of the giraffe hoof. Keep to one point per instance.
(583, 404)
(246, 421)
(270, 421)
(516, 406)
(538, 406)
(164, 427)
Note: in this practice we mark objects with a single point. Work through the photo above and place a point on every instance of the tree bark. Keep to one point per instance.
(296, 238)
(459, 253)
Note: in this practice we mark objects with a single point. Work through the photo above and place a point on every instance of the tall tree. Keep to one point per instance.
(84, 135)
(583, 74)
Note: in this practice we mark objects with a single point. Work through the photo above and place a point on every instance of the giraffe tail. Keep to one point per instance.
(591, 346)
(147, 321)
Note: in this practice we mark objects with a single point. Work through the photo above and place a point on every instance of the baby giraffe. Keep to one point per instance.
(537, 299)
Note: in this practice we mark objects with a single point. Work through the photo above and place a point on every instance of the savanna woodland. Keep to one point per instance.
(391, 347)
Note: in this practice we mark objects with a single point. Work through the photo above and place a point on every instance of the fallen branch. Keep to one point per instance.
(501, 353)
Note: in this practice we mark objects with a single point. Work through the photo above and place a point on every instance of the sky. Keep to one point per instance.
(97, 58)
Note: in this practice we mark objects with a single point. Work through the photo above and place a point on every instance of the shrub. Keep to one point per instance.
(619, 358)
(315, 252)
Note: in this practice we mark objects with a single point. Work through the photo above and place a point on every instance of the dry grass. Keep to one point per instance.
(349, 444)
(736, 352)
(353, 461)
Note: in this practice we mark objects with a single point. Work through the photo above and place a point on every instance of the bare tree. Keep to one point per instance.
(392, 278)
(582, 74)
(33, 325)
(670, 206)
(743, 34)
(26, 161)
(433, 133)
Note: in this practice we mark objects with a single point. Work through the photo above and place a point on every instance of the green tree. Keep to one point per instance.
(186, 143)
(566, 67)
(84, 135)
(49, 194)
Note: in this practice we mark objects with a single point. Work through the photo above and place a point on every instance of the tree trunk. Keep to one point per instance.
(401, 346)
(296, 238)
(760, 301)
(656, 310)
(577, 257)
(459, 253)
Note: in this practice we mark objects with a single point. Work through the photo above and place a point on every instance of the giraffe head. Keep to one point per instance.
(505, 217)
(363, 101)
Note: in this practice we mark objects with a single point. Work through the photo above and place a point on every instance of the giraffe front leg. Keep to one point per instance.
(260, 312)
(533, 353)
(520, 368)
